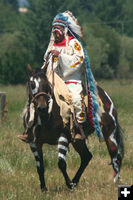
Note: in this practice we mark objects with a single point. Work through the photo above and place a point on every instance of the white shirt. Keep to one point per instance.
(69, 65)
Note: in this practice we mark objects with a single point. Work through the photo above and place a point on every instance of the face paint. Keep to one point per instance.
(58, 32)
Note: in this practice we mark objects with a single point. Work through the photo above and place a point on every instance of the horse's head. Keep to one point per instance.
(39, 90)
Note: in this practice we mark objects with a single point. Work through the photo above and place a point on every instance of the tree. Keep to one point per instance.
(36, 26)
(109, 11)
(98, 50)
(13, 3)
(128, 17)
(13, 59)
(112, 41)
(125, 67)
(24, 37)
(8, 18)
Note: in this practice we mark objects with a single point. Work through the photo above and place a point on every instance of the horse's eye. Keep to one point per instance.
(33, 84)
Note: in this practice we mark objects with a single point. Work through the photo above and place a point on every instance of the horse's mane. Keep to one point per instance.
(38, 72)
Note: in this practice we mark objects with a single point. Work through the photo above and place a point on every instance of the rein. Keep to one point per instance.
(45, 68)
(39, 94)
(52, 90)
(50, 96)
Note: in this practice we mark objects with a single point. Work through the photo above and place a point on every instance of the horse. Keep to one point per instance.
(47, 127)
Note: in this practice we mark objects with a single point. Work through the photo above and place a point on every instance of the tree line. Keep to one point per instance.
(107, 27)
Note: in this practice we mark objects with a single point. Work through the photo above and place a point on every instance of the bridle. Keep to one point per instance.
(48, 95)
(50, 100)
(39, 94)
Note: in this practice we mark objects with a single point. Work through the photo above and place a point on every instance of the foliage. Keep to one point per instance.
(128, 13)
(13, 58)
(109, 10)
(13, 3)
(112, 39)
(98, 52)
(125, 67)
(36, 26)
(8, 18)
(104, 23)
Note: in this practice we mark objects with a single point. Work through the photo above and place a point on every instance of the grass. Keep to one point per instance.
(18, 177)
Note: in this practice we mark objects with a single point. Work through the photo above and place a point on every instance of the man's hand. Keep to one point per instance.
(55, 53)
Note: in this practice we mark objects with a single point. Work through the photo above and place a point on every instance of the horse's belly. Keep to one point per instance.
(49, 136)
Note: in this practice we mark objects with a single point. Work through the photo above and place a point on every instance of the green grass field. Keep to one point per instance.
(18, 176)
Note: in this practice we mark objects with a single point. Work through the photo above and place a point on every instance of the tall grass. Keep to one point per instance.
(18, 177)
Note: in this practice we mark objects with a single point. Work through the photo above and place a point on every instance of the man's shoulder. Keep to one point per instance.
(75, 43)
(73, 40)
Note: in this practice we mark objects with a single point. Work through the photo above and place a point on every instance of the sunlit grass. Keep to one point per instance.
(18, 176)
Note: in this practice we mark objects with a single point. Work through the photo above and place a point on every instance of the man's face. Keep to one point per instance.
(58, 32)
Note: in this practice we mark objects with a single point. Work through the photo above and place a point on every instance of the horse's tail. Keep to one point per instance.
(120, 139)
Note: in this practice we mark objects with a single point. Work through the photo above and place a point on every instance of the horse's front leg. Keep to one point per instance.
(38, 154)
(62, 149)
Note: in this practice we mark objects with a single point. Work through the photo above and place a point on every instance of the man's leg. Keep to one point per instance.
(76, 92)
(28, 121)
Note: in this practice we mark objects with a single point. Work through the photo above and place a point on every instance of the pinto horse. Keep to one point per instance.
(47, 127)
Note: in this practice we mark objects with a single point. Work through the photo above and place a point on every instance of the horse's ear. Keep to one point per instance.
(30, 69)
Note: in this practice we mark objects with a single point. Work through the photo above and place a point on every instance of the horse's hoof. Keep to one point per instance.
(44, 189)
(116, 177)
(72, 186)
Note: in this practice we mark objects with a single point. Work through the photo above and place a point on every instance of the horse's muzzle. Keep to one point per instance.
(41, 103)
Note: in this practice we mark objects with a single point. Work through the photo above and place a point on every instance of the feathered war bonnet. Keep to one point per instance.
(70, 24)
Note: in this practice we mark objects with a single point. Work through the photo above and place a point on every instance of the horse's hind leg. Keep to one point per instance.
(39, 163)
(116, 155)
(113, 138)
(62, 149)
(85, 155)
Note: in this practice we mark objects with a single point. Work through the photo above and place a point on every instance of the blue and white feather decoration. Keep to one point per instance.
(93, 91)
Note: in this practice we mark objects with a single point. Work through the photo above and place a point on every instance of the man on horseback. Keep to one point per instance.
(67, 57)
